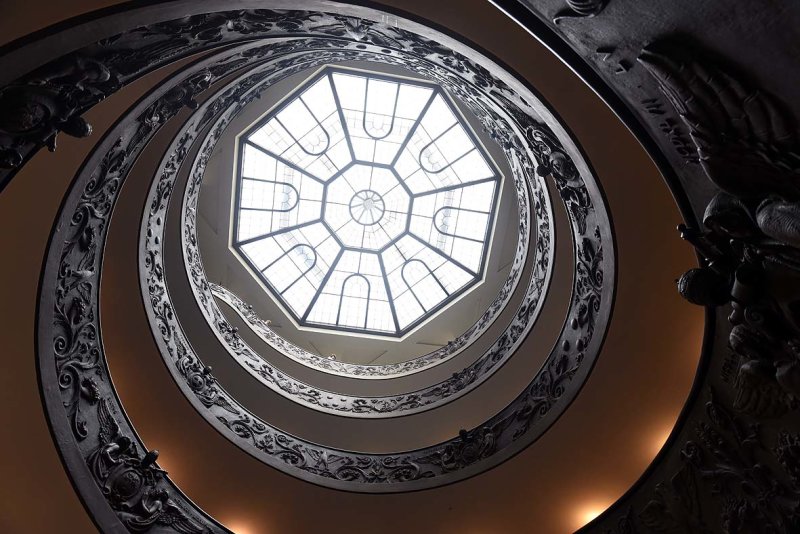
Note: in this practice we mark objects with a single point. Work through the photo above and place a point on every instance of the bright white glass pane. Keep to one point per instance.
(468, 253)
(319, 98)
(257, 164)
(412, 101)
(438, 118)
(351, 90)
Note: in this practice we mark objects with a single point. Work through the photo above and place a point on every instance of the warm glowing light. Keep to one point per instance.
(588, 512)
(590, 515)
(660, 439)
(242, 527)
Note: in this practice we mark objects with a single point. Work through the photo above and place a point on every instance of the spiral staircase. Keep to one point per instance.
(452, 267)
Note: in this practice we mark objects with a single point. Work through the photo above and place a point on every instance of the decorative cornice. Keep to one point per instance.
(108, 463)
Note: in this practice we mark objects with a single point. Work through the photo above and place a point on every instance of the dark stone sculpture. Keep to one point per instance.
(131, 483)
(49, 103)
(750, 229)
(580, 8)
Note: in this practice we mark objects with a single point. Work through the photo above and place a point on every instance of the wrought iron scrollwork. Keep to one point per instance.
(71, 351)
(68, 323)
(333, 402)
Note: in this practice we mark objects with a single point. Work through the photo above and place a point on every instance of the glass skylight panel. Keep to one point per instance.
(379, 113)
(354, 295)
(273, 195)
(456, 221)
(307, 132)
(364, 202)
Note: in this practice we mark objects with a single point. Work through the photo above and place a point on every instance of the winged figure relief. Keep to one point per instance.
(133, 484)
(747, 145)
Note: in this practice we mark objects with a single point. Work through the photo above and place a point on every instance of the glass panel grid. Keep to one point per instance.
(364, 202)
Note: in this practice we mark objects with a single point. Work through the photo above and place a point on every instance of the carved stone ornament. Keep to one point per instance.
(203, 290)
(750, 236)
(49, 103)
(580, 8)
(738, 466)
(118, 479)
(130, 481)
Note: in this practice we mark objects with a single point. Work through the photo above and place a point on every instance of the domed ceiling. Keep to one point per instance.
(364, 204)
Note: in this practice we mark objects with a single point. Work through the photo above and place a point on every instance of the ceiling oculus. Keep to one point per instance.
(364, 202)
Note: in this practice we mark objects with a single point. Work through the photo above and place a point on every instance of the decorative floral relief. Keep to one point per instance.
(33, 113)
(512, 424)
(130, 481)
(750, 237)
(261, 327)
(135, 488)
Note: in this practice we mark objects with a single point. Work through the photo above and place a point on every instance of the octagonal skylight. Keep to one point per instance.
(364, 202)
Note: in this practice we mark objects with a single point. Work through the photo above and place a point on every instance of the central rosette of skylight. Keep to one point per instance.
(365, 203)
(367, 207)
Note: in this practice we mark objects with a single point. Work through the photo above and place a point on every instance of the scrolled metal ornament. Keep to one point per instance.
(68, 323)
(459, 383)
(374, 406)
(50, 102)
(130, 481)
(98, 443)
(50, 98)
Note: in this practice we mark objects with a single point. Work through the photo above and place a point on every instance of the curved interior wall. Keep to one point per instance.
(545, 464)
(470, 452)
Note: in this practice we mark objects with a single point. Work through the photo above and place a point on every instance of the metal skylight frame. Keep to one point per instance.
(292, 197)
